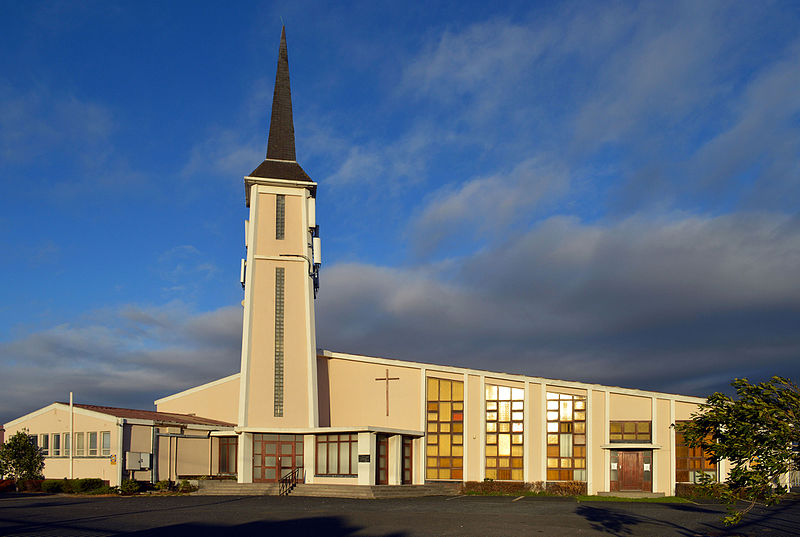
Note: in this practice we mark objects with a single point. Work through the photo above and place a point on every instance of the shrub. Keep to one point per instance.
(87, 485)
(186, 486)
(164, 486)
(105, 489)
(53, 485)
(30, 485)
(129, 486)
(489, 487)
(566, 488)
(7, 485)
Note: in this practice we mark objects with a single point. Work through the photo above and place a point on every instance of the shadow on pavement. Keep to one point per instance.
(328, 526)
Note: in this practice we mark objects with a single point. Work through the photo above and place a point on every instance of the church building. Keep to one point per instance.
(332, 418)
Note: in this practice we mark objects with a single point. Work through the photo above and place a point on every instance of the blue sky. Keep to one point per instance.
(603, 192)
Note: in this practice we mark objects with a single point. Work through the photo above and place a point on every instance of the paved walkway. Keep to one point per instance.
(55, 515)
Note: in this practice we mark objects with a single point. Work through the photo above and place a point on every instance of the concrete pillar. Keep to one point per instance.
(309, 457)
(367, 445)
(395, 459)
(245, 458)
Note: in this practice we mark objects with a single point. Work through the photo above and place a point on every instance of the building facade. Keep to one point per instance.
(339, 418)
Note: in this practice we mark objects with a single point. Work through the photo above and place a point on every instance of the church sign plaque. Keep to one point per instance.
(363, 458)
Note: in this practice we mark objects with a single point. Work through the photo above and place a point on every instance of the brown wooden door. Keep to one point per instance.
(408, 460)
(630, 470)
(382, 468)
(275, 455)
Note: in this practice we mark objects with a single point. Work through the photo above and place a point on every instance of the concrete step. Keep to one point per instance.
(632, 494)
(232, 488)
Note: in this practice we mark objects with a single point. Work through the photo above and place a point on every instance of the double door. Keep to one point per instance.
(276, 455)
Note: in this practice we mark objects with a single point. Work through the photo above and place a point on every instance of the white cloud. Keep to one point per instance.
(488, 204)
(126, 356)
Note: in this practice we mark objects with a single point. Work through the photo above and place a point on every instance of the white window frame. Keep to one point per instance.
(105, 451)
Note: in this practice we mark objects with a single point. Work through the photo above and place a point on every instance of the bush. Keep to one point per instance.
(88, 484)
(502, 488)
(105, 489)
(53, 485)
(164, 486)
(129, 486)
(7, 485)
(186, 486)
(29, 485)
(566, 488)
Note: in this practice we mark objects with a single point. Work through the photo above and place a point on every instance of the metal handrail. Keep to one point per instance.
(289, 482)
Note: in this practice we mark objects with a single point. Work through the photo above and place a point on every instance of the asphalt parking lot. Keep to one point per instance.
(59, 515)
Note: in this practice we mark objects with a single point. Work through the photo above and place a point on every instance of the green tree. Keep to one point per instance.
(20, 459)
(755, 433)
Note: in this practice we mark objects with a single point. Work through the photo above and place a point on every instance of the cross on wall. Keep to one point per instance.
(386, 379)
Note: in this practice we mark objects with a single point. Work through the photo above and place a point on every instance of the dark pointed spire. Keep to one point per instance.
(281, 160)
(281, 127)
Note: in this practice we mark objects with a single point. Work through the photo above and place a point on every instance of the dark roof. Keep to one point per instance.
(281, 161)
(167, 417)
(281, 126)
(280, 169)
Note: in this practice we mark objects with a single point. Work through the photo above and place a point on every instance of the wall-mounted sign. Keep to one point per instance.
(613, 465)
(646, 467)
(363, 458)
(113, 459)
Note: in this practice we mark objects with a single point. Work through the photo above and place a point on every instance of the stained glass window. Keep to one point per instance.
(505, 408)
(566, 437)
(445, 430)
(690, 463)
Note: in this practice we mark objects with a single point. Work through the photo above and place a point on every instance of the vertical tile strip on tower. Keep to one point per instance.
(279, 286)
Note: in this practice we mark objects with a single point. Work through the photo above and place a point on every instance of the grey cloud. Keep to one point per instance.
(127, 356)
(678, 304)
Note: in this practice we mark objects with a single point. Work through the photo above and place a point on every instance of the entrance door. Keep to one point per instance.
(275, 455)
(408, 460)
(382, 468)
(630, 471)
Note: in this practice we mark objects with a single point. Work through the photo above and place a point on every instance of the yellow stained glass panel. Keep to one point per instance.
(516, 451)
(433, 450)
(433, 439)
(504, 427)
(491, 438)
(504, 444)
(565, 411)
(566, 463)
(552, 463)
(445, 390)
(433, 390)
(457, 451)
(458, 391)
(458, 427)
(444, 473)
(491, 391)
(516, 462)
(444, 445)
(516, 475)
(552, 439)
(491, 451)
(516, 438)
(505, 411)
(491, 462)
(491, 427)
(580, 427)
(503, 462)
(491, 474)
(444, 412)
(432, 473)
(444, 427)
(458, 439)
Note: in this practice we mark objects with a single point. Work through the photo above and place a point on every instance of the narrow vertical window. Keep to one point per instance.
(279, 286)
(67, 444)
(44, 443)
(566, 437)
(280, 216)
(445, 435)
(505, 407)
(105, 443)
(92, 444)
(79, 445)
(56, 445)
